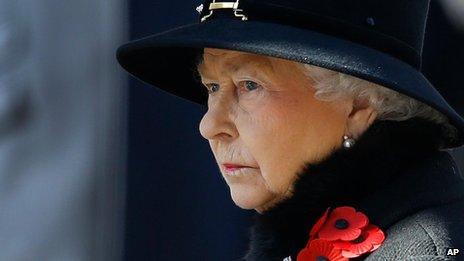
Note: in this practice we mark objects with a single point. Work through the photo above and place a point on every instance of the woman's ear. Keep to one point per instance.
(362, 115)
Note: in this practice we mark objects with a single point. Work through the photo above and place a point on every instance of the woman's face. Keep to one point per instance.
(263, 124)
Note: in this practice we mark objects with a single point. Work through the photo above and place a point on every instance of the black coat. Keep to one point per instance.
(395, 174)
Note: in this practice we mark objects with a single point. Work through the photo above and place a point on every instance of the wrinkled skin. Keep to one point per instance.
(262, 115)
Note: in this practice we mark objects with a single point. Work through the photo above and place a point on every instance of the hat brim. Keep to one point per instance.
(167, 60)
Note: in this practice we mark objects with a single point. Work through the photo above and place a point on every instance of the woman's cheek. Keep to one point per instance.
(268, 135)
(256, 99)
(265, 126)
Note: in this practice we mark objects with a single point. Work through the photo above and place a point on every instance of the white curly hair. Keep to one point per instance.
(390, 105)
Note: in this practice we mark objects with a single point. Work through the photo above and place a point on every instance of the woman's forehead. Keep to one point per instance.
(232, 61)
(231, 58)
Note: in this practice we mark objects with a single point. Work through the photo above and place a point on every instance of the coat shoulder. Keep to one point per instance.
(425, 235)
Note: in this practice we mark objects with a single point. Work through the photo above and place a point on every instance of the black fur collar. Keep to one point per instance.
(380, 155)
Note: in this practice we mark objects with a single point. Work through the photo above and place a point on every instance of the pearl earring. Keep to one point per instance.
(348, 142)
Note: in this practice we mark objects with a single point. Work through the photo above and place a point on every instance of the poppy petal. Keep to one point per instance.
(317, 226)
(341, 234)
(343, 223)
(374, 247)
(349, 254)
(320, 248)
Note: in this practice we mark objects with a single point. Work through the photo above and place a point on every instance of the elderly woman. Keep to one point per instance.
(320, 120)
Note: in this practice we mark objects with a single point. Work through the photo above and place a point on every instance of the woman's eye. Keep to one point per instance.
(251, 85)
(212, 87)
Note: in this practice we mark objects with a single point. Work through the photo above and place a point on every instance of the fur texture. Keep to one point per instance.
(379, 156)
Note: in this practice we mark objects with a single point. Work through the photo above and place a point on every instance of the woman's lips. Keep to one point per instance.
(231, 167)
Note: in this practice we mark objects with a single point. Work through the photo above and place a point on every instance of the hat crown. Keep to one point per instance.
(395, 27)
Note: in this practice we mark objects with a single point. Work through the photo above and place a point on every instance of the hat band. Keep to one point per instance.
(225, 5)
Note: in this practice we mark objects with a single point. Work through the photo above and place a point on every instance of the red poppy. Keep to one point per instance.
(320, 250)
(343, 223)
(317, 226)
(370, 239)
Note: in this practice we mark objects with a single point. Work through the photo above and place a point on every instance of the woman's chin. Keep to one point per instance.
(249, 197)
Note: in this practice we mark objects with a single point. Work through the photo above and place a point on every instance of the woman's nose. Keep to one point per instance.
(217, 122)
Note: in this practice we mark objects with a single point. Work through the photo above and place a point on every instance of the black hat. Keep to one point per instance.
(377, 40)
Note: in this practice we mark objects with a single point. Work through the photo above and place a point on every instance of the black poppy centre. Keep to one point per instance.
(341, 223)
(322, 258)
